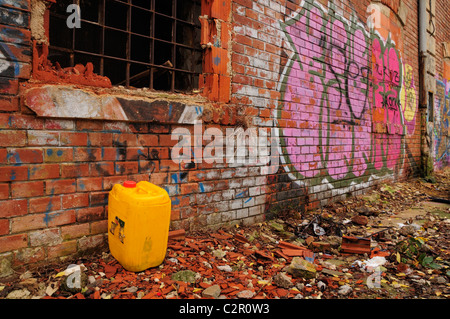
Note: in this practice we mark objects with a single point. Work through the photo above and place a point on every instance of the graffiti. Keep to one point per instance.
(441, 141)
(8, 67)
(341, 91)
(386, 86)
(408, 98)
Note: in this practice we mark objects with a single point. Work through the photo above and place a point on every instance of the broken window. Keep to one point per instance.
(135, 43)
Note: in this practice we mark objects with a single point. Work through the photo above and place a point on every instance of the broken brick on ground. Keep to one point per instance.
(282, 258)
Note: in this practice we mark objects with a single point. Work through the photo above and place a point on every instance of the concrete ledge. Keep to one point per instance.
(58, 101)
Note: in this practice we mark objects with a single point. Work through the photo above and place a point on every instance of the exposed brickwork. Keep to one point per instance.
(341, 98)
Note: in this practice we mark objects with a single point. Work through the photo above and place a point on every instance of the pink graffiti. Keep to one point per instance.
(387, 74)
(336, 85)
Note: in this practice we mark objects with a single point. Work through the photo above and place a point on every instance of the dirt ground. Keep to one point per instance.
(402, 228)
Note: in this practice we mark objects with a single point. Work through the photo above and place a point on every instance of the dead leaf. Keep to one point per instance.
(51, 288)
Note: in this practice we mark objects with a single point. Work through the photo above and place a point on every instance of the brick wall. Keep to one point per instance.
(313, 76)
(440, 149)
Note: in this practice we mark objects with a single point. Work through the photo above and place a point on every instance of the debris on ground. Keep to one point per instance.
(393, 242)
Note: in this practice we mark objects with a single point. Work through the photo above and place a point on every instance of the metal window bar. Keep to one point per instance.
(154, 65)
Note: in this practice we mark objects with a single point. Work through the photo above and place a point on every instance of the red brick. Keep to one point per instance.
(74, 231)
(28, 256)
(87, 154)
(13, 173)
(89, 125)
(9, 86)
(43, 171)
(108, 182)
(64, 249)
(158, 128)
(216, 61)
(13, 242)
(89, 184)
(75, 200)
(135, 153)
(58, 154)
(102, 169)
(62, 186)
(114, 153)
(148, 140)
(98, 198)
(45, 237)
(58, 124)
(168, 165)
(212, 87)
(138, 177)
(20, 121)
(9, 104)
(189, 188)
(138, 127)
(221, 9)
(27, 189)
(73, 139)
(60, 218)
(28, 222)
(205, 35)
(3, 156)
(4, 227)
(99, 227)
(74, 170)
(224, 88)
(40, 138)
(4, 190)
(99, 139)
(15, 207)
(25, 155)
(44, 204)
(225, 34)
(91, 242)
(90, 214)
(13, 138)
(125, 168)
(125, 139)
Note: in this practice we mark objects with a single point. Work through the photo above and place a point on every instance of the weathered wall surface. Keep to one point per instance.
(340, 80)
(440, 151)
(334, 84)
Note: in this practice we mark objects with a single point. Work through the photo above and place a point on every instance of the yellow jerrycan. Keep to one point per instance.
(138, 224)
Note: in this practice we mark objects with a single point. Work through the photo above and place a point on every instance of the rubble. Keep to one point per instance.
(406, 255)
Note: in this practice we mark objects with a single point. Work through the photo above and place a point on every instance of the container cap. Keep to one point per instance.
(129, 184)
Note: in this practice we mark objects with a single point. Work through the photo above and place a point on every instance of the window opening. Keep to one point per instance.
(135, 43)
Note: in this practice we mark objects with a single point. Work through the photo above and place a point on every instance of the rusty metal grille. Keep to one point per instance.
(136, 43)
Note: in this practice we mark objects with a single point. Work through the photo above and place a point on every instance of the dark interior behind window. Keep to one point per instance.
(136, 43)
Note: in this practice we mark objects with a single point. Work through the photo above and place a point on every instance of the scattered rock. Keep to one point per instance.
(75, 282)
(299, 267)
(245, 294)
(211, 292)
(439, 280)
(407, 230)
(185, 276)
(219, 253)
(345, 290)
(282, 280)
(321, 285)
(172, 295)
(132, 289)
(19, 294)
(226, 268)
(360, 220)
(364, 210)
